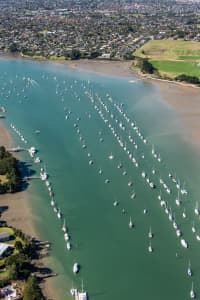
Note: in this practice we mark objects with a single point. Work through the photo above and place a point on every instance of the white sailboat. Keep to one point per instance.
(189, 270)
(59, 213)
(66, 236)
(198, 237)
(130, 223)
(64, 229)
(159, 196)
(153, 150)
(184, 214)
(192, 292)
(196, 210)
(133, 195)
(178, 201)
(115, 203)
(193, 227)
(183, 190)
(68, 245)
(82, 295)
(111, 156)
(150, 249)
(52, 202)
(150, 234)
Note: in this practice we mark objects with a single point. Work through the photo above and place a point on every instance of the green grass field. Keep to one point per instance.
(172, 57)
(175, 68)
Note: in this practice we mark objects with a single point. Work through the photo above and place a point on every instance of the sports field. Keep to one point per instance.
(172, 57)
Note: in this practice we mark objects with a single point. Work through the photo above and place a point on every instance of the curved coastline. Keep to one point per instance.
(173, 95)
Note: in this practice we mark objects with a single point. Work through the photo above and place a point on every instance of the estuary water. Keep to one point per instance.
(110, 147)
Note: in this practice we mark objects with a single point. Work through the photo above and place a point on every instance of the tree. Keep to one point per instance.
(13, 48)
(2, 152)
(32, 290)
(187, 78)
(94, 54)
(19, 266)
(146, 66)
(75, 54)
(18, 246)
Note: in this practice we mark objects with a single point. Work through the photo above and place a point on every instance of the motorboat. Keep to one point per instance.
(133, 195)
(68, 245)
(37, 160)
(184, 243)
(66, 236)
(76, 268)
(43, 174)
(152, 185)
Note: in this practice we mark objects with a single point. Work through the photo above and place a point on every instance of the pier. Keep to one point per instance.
(17, 149)
(31, 177)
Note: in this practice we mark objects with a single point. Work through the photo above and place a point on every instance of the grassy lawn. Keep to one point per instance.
(169, 50)
(174, 68)
(4, 274)
(3, 179)
(172, 57)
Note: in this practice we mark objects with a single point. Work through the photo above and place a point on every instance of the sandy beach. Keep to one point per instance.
(19, 213)
(186, 102)
(112, 68)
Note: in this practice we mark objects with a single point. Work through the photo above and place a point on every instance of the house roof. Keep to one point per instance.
(3, 248)
(4, 235)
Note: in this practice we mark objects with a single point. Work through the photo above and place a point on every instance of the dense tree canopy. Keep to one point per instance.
(146, 66)
(187, 78)
(9, 168)
(32, 290)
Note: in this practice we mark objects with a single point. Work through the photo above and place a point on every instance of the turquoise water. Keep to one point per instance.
(114, 259)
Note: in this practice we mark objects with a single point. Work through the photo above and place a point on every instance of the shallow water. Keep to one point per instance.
(114, 259)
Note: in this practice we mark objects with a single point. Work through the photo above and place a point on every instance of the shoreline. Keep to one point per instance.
(116, 68)
(19, 214)
(182, 98)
